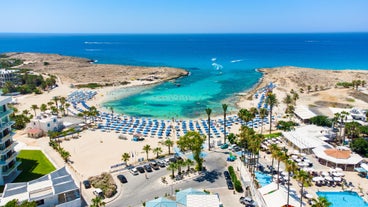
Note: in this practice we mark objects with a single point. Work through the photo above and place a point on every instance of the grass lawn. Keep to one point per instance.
(34, 165)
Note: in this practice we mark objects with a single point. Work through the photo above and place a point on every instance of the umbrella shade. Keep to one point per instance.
(337, 174)
(316, 179)
(328, 178)
(338, 169)
(338, 179)
(309, 196)
(325, 174)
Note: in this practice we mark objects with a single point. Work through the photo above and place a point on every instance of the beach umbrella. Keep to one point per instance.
(328, 178)
(338, 179)
(338, 169)
(325, 174)
(316, 179)
(309, 196)
(338, 174)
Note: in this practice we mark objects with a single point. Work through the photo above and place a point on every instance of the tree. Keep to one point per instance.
(168, 143)
(188, 163)
(16, 203)
(67, 105)
(360, 146)
(34, 107)
(231, 137)
(62, 103)
(172, 166)
(271, 101)
(321, 120)
(363, 83)
(321, 202)
(192, 141)
(224, 108)
(157, 151)
(290, 167)
(147, 148)
(288, 99)
(97, 202)
(304, 178)
(262, 114)
(125, 157)
(245, 115)
(352, 130)
(309, 88)
(280, 156)
(43, 107)
(208, 112)
(245, 136)
(295, 98)
(56, 99)
(274, 150)
(65, 155)
(290, 111)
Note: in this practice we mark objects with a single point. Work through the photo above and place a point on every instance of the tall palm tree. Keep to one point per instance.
(295, 98)
(34, 107)
(147, 148)
(246, 136)
(245, 115)
(280, 156)
(224, 108)
(288, 99)
(321, 202)
(304, 178)
(43, 107)
(274, 150)
(188, 163)
(262, 114)
(343, 118)
(67, 105)
(56, 99)
(62, 103)
(157, 151)
(125, 157)
(291, 167)
(168, 143)
(208, 112)
(271, 101)
(363, 83)
(172, 166)
(253, 112)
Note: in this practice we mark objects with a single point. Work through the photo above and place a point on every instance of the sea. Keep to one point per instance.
(220, 65)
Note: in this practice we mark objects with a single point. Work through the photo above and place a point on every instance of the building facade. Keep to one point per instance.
(55, 189)
(46, 123)
(8, 163)
(8, 76)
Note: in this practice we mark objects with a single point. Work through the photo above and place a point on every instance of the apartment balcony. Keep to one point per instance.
(9, 159)
(10, 170)
(6, 149)
(6, 125)
(6, 137)
(6, 113)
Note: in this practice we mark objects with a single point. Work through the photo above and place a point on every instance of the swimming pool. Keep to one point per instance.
(263, 178)
(342, 199)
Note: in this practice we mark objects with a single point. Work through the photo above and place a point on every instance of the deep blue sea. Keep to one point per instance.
(220, 64)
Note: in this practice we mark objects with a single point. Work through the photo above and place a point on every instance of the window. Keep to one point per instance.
(40, 202)
(48, 124)
(54, 120)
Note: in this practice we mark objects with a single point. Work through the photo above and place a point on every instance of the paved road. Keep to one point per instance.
(138, 189)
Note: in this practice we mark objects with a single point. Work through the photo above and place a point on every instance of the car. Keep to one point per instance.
(230, 185)
(98, 192)
(154, 165)
(122, 178)
(232, 146)
(227, 175)
(86, 184)
(161, 163)
(224, 146)
(246, 201)
(147, 167)
(140, 169)
(134, 171)
(172, 159)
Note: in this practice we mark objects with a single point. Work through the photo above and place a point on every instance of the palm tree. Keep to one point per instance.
(295, 97)
(262, 114)
(208, 112)
(274, 149)
(304, 178)
(271, 101)
(168, 143)
(280, 156)
(245, 115)
(125, 157)
(321, 202)
(224, 108)
(62, 102)
(147, 148)
(67, 105)
(34, 107)
(288, 99)
(363, 83)
(343, 118)
(43, 107)
(157, 151)
(56, 99)
(97, 202)
(291, 167)
(25, 112)
(253, 112)
(309, 88)
(188, 163)
(172, 166)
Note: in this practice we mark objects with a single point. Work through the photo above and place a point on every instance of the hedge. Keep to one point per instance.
(234, 179)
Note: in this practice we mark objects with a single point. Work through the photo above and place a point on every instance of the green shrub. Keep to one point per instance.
(321, 121)
(238, 186)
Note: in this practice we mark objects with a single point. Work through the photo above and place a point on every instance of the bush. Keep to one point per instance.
(238, 186)
(234, 179)
(321, 121)
(105, 182)
(360, 146)
(286, 125)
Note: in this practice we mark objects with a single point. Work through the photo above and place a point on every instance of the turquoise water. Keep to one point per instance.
(263, 178)
(220, 65)
(343, 199)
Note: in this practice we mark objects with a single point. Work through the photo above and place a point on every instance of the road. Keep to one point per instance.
(139, 189)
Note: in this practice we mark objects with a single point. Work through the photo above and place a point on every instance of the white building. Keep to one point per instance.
(7, 76)
(46, 122)
(8, 163)
(55, 189)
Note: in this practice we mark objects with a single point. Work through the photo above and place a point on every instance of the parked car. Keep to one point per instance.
(86, 184)
(246, 201)
(227, 175)
(230, 185)
(98, 192)
(134, 171)
(154, 165)
(161, 163)
(140, 169)
(147, 167)
(224, 146)
(122, 178)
